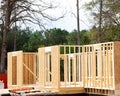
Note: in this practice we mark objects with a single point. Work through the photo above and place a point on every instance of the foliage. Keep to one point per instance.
(72, 37)
(35, 40)
(55, 36)
(23, 36)
(30, 41)
(111, 33)
(110, 16)
(84, 37)
(25, 12)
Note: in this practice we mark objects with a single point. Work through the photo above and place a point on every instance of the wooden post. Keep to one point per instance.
(103, 66)
(85, 67)
(41, 54)
(65, 67)
(9, 69)
(20, 68)
(55, 58)
(81, 65)
(74, 67)
(100, 65)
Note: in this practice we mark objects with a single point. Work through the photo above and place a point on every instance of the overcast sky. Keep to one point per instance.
(69, 21)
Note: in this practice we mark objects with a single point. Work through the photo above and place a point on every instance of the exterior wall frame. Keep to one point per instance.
(21, 68)
(98, 68)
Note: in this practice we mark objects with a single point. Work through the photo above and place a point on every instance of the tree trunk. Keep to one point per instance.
(15, 30)
(78, 23)
(118, 32)
(7, 12)
(3, 53)
(100, 22)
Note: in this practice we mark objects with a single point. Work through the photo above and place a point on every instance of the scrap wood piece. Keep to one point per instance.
(21, 89)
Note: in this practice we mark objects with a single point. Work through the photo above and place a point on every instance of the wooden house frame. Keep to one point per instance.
(56, 70)
(76, 69)
(21, 69)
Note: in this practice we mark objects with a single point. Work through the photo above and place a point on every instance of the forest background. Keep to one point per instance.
(105, 28)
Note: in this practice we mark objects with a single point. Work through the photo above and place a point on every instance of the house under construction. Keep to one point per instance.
(93, 69)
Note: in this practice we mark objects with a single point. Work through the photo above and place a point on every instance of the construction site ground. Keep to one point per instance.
(5, 92)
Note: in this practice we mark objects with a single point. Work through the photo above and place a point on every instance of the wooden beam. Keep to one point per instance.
(42, 62)
(55, 53)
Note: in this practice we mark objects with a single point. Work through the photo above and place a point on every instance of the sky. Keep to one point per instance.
(69, 22)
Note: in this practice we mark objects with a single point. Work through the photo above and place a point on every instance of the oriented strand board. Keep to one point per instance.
(29, 68)
(14, 70)
(117, 66)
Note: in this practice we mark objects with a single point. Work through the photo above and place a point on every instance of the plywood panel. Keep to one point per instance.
(25, 71)
(33, 68)
(29, 68)
(117, 65)
(14, 70)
